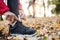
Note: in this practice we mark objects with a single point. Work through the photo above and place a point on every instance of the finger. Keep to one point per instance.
(16, 18)
(8, 17)
(13, 19)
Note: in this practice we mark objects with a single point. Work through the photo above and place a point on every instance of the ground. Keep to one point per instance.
(47, 28)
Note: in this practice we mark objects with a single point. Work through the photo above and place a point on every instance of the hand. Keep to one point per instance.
(11, 17)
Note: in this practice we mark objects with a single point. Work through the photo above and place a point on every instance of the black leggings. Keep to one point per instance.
(13, 5)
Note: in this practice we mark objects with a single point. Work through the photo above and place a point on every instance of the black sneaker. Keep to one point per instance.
(19, 28)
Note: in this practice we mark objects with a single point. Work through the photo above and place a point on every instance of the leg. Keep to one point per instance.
(13, 5)
(18, 28)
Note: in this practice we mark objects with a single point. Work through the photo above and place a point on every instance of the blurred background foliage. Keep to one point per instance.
(56, 10)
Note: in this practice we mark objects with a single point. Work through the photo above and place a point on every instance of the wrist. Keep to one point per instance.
(6, 13)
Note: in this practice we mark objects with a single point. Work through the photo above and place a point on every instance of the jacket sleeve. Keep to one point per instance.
(3, 7)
